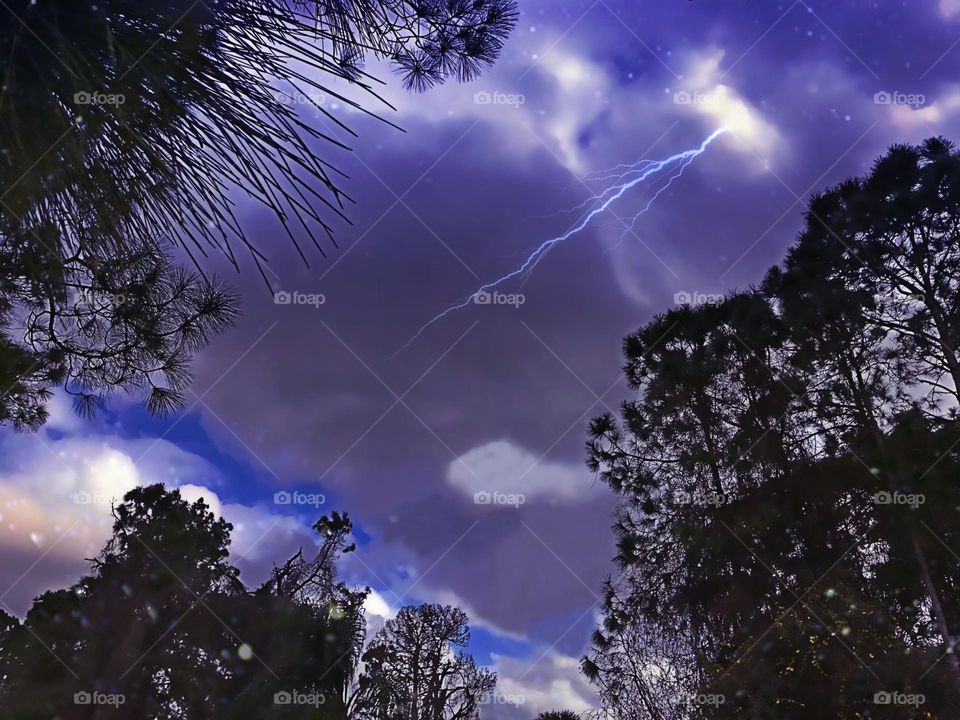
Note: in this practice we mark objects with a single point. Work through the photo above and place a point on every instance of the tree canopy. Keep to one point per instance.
(787, 530)
(416, 667)
(163, 627)
(128, 130)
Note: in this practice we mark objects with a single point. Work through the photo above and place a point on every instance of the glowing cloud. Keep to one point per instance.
(705, 93)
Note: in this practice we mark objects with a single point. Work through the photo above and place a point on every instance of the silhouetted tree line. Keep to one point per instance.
(162, 627)
(129, 128)
(789, 475)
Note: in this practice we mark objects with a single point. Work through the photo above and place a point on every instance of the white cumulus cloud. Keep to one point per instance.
(56, 490)
(502, 467)
(550, 681)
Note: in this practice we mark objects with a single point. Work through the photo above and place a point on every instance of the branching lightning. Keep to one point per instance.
(618, 172)
(628, 230)
(642, 170)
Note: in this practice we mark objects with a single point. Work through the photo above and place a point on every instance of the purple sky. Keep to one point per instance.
(496, 398)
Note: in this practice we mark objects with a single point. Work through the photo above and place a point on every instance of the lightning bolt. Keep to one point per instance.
(618, 172)
(633, 223)
(645, 168)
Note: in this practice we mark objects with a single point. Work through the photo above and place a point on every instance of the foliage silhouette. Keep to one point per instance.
(415, 668)
(128, 128)
(164, 621)
(122, 119)
(163, 627)
(787, 475)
